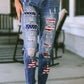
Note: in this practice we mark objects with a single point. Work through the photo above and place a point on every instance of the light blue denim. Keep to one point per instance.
(42, 19)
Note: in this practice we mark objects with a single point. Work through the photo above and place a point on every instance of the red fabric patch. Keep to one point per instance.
(47, 45)
(49, 28)
(46, 55)
(50, 20)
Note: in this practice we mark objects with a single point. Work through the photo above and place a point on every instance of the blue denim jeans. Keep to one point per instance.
(43, 20)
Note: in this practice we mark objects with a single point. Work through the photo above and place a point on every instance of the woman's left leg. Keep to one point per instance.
(46, 39)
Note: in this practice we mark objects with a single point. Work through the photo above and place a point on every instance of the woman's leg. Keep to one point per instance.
(49, 18)
(29, 30)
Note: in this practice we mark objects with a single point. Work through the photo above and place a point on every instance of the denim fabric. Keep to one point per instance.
(42, 3)
(43, 20)
(36, 3)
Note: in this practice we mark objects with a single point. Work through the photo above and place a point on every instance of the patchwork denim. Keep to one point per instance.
(42, 20)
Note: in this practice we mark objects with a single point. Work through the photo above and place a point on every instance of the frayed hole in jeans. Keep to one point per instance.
(31, 52)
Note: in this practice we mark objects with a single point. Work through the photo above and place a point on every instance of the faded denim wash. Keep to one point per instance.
(43, 19)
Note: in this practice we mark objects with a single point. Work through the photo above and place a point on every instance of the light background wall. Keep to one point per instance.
(74, 31)
(4, 6)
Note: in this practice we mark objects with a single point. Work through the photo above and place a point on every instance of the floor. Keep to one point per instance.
(69, 71)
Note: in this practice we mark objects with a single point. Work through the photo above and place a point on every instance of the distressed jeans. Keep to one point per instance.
(42, 20)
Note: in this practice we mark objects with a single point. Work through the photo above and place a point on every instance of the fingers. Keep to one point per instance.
(19, 10)
(19, 16)
(22, 10)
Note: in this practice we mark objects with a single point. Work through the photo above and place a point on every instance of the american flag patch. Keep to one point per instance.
(32, 64)
(49, 28)
(50, 20)
(46, 55)
(46, 71)
(31, 13)
(28, 26)
(48, 45)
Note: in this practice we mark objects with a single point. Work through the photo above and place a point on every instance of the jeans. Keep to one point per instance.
(42, 20)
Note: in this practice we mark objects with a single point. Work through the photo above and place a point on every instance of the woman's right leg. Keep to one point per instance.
(29, 30)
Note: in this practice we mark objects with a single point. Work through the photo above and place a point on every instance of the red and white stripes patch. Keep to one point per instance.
(48, 45)
(46, 71)
(32, 64)
(49, 28)
(46, 55)
(50, 20)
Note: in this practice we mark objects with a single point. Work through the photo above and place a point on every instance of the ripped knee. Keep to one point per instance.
(31, 52)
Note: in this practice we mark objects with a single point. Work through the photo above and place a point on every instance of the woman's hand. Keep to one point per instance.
(19, 9)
